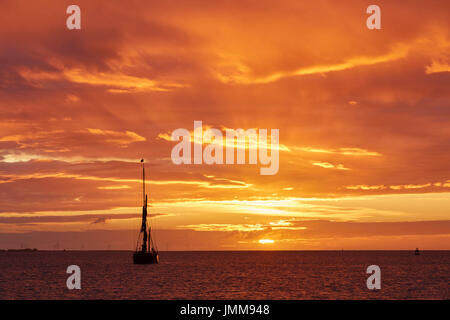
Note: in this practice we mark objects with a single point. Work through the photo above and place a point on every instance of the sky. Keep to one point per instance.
(363, 118)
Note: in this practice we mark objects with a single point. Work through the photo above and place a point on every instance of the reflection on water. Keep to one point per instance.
(226, 275)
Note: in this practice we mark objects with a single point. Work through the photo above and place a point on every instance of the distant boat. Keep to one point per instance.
(417, 253)
(22, 250)
(146, 251)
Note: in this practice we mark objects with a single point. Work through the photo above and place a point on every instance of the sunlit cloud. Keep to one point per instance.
(16, 157)
(328, 165)
(122, 138)
(19, 138)
(120, 187)
(9, 178)
(341, 151)
(223, 227)
(118, 82)
(366, 187)
(251, 142)
(411, 186)
(398, 187)
(280, 223)
(242, 76)
(437, 67)
(347, 208)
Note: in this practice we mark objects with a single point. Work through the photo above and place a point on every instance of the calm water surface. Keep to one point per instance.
(226, 275)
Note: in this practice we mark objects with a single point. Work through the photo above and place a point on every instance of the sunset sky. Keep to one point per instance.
(363, 116)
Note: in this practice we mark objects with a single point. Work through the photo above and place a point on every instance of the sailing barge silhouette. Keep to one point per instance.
(146, 251)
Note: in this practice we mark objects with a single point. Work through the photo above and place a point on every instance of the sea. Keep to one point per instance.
(226, 275)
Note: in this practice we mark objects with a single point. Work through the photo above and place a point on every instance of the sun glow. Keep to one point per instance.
(266, 241)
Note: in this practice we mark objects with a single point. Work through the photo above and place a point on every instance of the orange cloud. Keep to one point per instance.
(117, 81)
(77, 114)
(437, 67)
(328, 165)
(122, 138)
(342, 151)
(241, 78)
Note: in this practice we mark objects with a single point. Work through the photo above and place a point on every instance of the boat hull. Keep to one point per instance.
(145, 258)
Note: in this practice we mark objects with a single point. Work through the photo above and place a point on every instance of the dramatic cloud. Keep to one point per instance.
(363, 116)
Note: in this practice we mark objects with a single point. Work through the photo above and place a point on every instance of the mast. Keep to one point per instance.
(144, 211)
(143, 180)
